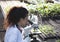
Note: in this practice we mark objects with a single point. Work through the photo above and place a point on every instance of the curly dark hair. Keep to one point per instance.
(15, 14)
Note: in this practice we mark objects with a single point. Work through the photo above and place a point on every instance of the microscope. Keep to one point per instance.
(33, 25)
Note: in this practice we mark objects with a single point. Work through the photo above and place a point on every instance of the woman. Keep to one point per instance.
(16, 19)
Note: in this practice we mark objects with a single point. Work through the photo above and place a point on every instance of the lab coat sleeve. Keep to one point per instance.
(28, 28)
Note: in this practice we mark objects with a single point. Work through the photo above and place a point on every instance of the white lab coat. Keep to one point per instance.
(13, 35)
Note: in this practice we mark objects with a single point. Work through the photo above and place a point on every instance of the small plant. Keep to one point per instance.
(47, 29)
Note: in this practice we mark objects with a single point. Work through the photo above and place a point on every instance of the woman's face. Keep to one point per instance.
(23, 21)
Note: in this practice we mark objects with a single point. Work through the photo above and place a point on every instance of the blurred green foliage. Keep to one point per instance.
(47, 29)
(45, 9)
